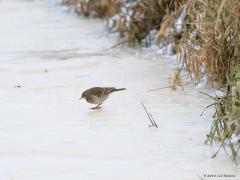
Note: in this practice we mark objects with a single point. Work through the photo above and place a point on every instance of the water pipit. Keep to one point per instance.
(97, 95)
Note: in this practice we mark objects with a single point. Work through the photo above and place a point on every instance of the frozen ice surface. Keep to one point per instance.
(48, 56)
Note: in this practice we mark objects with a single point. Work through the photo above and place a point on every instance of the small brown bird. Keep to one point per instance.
(97, 95)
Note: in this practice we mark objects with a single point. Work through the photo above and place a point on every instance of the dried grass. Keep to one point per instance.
(70, 2)
(211, 47)
(138, 18)
(96, 8)
(210, 44)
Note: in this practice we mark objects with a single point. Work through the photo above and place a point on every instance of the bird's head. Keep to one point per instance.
(84, 96)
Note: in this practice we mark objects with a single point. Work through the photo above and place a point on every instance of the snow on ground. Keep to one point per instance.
(48, 56)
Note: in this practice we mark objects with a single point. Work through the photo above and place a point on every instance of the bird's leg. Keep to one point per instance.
(97, 107)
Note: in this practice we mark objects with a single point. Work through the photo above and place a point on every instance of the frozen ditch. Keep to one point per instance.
(48, 56)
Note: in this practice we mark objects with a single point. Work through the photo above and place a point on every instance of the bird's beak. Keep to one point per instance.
(80, 98)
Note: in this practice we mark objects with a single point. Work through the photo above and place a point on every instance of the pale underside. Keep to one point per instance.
(96, 99)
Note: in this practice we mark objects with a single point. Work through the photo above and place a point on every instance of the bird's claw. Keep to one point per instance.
(96, 107)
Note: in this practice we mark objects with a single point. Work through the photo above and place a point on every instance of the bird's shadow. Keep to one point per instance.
(100, 117)
(95, 112)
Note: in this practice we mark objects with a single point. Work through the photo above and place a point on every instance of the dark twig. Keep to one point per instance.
(149, 116)
(207, 95)
(115, 45)
(207, 107)
(155, 124)
(159, 88)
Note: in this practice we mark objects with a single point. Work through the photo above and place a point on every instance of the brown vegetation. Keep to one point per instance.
(138, 18)
(96, 8)
(210, 44)
(211, 47)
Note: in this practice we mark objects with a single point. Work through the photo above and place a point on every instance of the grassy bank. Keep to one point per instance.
(210, 47)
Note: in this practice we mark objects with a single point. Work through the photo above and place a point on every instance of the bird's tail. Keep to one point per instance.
(120, 89)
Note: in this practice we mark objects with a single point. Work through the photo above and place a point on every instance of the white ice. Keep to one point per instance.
(48, 56)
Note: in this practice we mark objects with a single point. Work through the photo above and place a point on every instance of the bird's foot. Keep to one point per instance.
(98, 107)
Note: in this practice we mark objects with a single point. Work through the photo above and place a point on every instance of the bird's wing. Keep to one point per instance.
(108, 90)
(100, 91)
